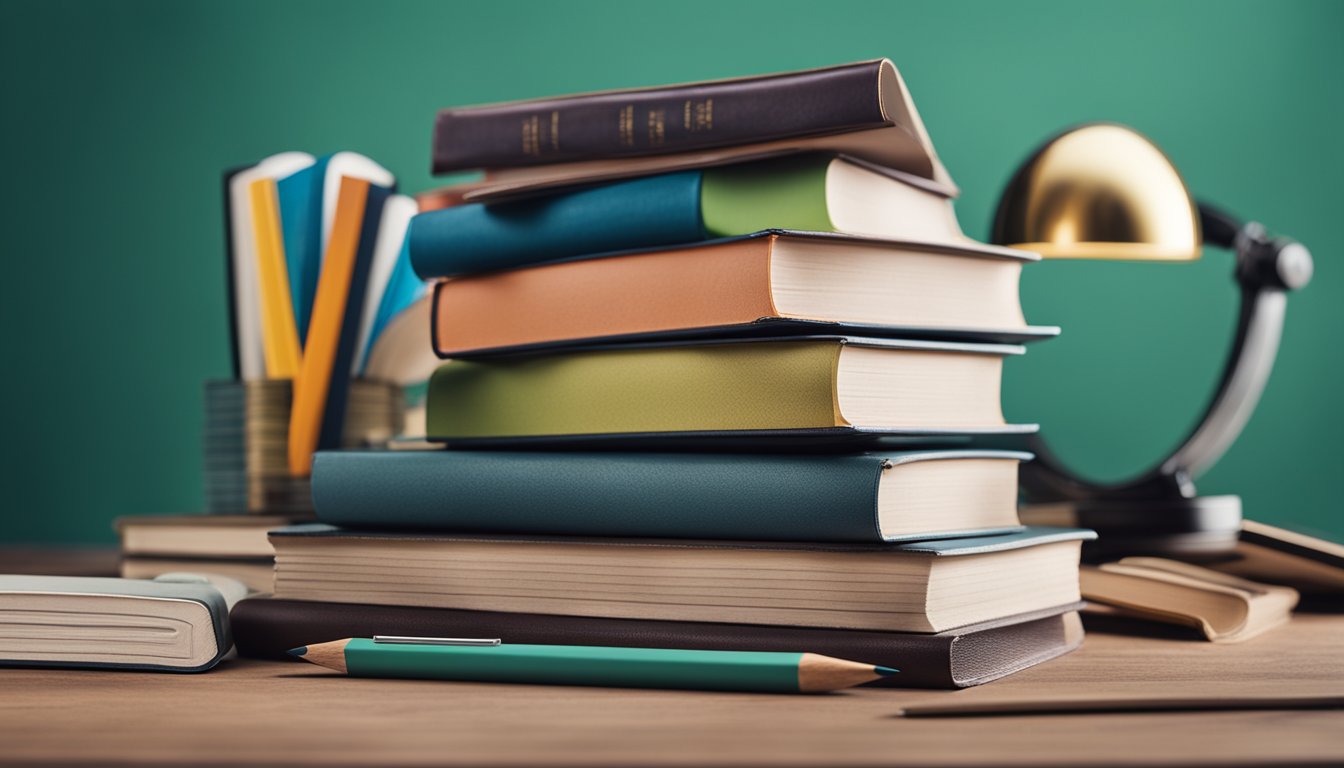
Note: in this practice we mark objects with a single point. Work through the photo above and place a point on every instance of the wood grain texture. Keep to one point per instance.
(297, 714)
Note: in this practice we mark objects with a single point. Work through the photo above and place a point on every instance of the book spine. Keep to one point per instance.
(644, 213)
(659, 120)
(746, 497)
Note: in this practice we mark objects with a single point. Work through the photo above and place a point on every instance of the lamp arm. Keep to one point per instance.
(1259, 329)
(1265, 270)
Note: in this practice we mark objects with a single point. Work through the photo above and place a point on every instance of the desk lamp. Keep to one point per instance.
(1104, 191)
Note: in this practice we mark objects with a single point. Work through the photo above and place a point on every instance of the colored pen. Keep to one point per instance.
(492, 661)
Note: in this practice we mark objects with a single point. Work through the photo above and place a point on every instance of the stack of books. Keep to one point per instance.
(722, 372)
(325, 310)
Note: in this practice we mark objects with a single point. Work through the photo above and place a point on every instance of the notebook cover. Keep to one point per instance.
(205, 594)
(688, 495)
(266, 628)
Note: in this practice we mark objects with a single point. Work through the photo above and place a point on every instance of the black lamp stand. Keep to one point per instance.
(1159, 512)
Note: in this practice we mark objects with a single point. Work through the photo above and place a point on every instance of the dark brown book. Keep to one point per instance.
(681, 118)
(266, 628)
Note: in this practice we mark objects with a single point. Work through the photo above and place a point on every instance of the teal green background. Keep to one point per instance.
(118, 119)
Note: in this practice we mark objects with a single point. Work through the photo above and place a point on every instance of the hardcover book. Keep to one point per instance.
(862, 109)
(173, 624)
(813, 192)
(928, 586)
(771, 283)
(866, 498)
(267, 628)
(200, 535)
(815, 385)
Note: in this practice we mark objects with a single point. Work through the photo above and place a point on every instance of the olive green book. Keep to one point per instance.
(777, 387)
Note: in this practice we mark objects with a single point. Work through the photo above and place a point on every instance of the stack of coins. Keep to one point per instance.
(247, 441)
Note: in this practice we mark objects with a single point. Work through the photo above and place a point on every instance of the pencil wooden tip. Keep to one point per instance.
(330, 655)
(817, 674)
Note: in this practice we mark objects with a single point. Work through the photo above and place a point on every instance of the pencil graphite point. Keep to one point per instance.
(883, 671)
(300, 651)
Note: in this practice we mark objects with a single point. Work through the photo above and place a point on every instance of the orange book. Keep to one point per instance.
(775, 283)
(313, 384)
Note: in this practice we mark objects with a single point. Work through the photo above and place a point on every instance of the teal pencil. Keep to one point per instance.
(593, 665)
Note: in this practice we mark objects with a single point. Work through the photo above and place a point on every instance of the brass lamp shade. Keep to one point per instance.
(1099, 191)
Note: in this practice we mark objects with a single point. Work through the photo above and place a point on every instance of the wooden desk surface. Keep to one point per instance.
(296, 714)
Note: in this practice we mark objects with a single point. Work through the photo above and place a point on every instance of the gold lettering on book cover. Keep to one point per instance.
(626, 124)
(657, 127)
(698, 116)
(555, 130)
(532, 136)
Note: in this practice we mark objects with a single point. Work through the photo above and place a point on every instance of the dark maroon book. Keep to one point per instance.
(266, 628)
(666, 119)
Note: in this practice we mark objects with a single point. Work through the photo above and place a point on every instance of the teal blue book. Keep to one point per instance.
(300, 196)
(659, 210)
(897, 496)
(815, 193)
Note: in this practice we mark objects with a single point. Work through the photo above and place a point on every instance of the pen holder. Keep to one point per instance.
(247, 441)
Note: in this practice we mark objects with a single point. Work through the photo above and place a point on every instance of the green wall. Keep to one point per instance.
(119, 117)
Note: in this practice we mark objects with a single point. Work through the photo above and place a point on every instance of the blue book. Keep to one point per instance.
(300, 197)
(871, 498)
(648, 212)
(817, 193)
